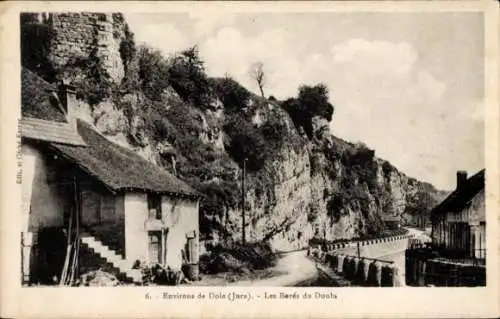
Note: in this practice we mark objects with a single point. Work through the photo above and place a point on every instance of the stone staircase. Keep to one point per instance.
(123, 266)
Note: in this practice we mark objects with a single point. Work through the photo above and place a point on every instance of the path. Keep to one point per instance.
(296, 266)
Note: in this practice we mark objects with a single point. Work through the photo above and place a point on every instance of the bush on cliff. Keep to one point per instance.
(311, 101)
(233, 95)
(153, 72)
(35, 46)
(186, 74)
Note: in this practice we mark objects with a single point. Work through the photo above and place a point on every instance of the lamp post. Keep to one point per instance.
(243, 235)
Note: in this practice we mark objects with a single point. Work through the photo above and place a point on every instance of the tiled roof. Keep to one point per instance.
(50, 131)
(120, 168)
(459, 198)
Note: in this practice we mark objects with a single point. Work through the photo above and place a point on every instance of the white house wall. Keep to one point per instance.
(181, 217)
(44, 201)
(472, 213)
(28, 176)
(136, 239)
(477, 208)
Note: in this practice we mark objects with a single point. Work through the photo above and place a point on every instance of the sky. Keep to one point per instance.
(408, 85)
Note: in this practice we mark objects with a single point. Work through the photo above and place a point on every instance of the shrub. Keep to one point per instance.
(187, 76)
(238, 258)
(311, 101)
(312, 213)
(153, 71)
(158, 275)
(314, 100)
(35, 46)
(127, 49)
(335, 206)
(387, 169)
(231, 93)
(93, 84)
(274, 130)
(246, 142)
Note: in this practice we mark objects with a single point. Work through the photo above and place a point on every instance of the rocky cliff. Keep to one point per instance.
(299, 184)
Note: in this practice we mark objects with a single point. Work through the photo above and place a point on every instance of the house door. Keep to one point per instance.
(192, 249)
(68, 195)
(155, 250)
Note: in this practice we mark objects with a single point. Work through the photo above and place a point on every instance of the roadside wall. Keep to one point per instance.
(364, 271)
(389, 244)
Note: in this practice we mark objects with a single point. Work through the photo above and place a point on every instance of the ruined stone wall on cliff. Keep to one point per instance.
(76, 35)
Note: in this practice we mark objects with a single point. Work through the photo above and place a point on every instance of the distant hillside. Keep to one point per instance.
(301, 180)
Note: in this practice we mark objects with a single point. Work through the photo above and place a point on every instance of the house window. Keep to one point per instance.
(154, 206)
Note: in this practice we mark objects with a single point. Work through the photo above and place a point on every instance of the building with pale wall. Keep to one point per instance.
(80, 188)
(459, 222)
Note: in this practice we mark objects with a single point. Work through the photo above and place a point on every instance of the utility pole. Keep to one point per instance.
(243, 237)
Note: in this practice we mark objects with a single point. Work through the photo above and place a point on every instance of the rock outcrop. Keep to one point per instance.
(301, 187)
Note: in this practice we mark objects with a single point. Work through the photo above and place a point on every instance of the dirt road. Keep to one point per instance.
(296, 268)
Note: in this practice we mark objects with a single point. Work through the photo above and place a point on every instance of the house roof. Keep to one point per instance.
(118, 167)
(39, 99)
(42, 115)
(49, 131)
(459, 198)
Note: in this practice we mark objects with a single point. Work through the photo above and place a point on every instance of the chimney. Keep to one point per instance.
(67, 96)
(461, 179)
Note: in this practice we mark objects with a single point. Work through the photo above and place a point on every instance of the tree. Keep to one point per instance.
(256, 72)
(311, 101)
(153, 72)
(231, 93)
(36, 38)
(314, 101)
(188, 78)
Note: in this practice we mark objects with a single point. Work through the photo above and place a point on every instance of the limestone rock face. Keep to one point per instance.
(321, 127)
(108, 119)
(318, 186)
(306, 190)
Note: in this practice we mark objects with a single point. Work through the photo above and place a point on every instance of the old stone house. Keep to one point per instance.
(459, 222)
(81, 190)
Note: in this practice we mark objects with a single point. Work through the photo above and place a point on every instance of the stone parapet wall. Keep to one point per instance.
(361, 271)
(363, 243)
